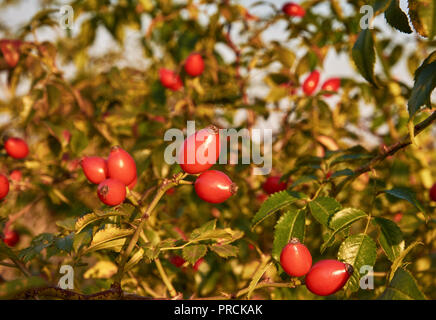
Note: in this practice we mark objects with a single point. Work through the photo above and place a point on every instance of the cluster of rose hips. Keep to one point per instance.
(323, 278)
(194, 66)
(16, 148)
(112, 175)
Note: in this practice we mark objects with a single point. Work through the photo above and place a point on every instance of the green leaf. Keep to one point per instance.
(339, 221)
(391, 238)
(358, 250)
(274, 203)
(208, 226)
(402, 287)
(226, 235)
(363, 54)
(108, 239)
(65, 243)
(81, 239)
(425, 82)
(79, 141)
(322, 208)
(399, 260)
(285, 56)
(194, 252)
(67, 224)
(290, 225)
(122, 210)
(397, 18)
(256, 277)
(137, 257)
(423, 17)
(225, 250)
(405, 194)
(342, 173)
(304, 179)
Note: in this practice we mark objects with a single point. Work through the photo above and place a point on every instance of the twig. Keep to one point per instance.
(165, 278)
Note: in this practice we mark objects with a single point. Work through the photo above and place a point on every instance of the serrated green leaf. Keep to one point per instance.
(342, 173)
(405, 194)
(225, 250)
(363, 54)
(399, 260)
(108, 239)
(339, 221)
(256, 277)
(81, 239)
(423, 17)
(397, 18)
(424, 84)
(65, 243)
(402, 287)
(194, 252)
(122, 210)
(391, 238)
(210, 225)
(322, 208)
(290, 225)
(358, 250)
(136, 258)
(274, 203)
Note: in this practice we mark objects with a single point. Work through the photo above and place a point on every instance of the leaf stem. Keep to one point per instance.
(165, 278)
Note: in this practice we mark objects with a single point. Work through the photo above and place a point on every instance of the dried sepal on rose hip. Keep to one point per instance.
(295, 258)
(214, 186)
(200, 151)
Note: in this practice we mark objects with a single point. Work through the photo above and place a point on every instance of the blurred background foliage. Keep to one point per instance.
(68, 103)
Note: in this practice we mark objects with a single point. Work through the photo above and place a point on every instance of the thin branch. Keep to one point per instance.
(389, 151)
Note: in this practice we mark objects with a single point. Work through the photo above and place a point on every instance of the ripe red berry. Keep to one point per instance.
(398, 217)
(16, 148)
(16, 175)
(273, 185)
(200, 151)
(332, 84)
(11, 51)
(176, 260)
(214, 186)
(170, 79)
(121, 166)
(327, 277)
(194, 65)
(295, 258)
(95, 169)
(111, 192)
(432, 192)
(11, 238)
(294, 10)
(4, 186)
(311, 82)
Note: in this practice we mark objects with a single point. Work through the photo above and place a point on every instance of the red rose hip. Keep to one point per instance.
(121, 166)
(311, 82)
(432, 192)
(200, 151)
(214, 186)
(4, 186)
(16, 148)
(95, 169)
(327, 277)
(170, 79)
(332, 84)
(111, 192)
(273, 185)
(295, 259)
(11, 238)
(294, 10)
(16, 175)
(194, 65)
(11, 51)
